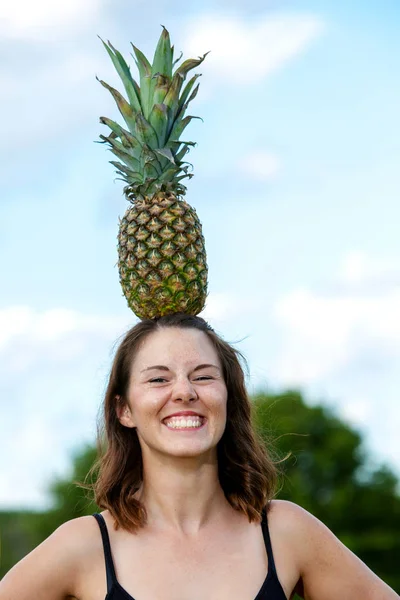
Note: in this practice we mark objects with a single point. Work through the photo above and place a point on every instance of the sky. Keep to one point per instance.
(296, 184)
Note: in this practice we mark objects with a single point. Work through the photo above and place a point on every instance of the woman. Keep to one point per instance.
(187, 492)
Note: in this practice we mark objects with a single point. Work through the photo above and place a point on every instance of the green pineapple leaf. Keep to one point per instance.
(182, 109)
(150, 171)
(122, 170)
(124, 107)
(125, 75)
(172, 97)
(150, 149)
(190, 64)
(130, 161)
(144, 68)
(178, 129)
(146, 131)
(186, 92)
(177, 60)
(168, 175)
(127, 139)
(161, 88)
(159, 121)
(148, 156)
(182, 153)
(120, 150)
(166, 152)
(105, 139)
(162, 62)
(190, 175)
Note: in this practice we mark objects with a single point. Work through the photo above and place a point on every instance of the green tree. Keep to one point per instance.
(69, 500)
(328, 474)
(21, 531)
(16, 537)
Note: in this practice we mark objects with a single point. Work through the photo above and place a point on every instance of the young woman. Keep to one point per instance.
(187, 493)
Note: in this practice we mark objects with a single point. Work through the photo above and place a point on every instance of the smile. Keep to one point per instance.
(184, 423)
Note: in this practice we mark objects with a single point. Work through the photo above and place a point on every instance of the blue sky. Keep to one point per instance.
(296, 183)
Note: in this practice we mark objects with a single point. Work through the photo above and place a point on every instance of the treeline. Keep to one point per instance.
(326, 471)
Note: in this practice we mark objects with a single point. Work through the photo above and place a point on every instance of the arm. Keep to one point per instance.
(329, 570)
(49, 572)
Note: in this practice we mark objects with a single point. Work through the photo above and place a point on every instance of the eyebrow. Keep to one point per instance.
(164, 368)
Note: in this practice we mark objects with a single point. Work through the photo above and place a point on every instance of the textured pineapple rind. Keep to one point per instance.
(162, 259)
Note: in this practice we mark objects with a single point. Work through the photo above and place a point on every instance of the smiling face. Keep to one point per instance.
(177, 370)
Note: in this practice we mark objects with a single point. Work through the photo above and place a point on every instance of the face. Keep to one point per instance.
(177, 371)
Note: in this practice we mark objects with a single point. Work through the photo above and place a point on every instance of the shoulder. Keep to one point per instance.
(74, 542)
(328, 569)
(305, 533)
(76, 537)
(82, 541)
(52, 569)
(289, 521)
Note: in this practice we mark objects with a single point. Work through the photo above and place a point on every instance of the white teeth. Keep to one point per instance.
(183, 423)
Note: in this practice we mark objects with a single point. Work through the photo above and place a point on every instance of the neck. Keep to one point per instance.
(182, 495)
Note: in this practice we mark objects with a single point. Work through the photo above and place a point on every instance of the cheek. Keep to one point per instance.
(150, 409)
(219, 403)
(145, 405)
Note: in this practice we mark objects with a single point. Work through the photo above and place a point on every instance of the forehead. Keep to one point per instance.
(173, 345)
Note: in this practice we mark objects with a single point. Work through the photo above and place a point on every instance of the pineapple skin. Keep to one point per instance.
(162, 259)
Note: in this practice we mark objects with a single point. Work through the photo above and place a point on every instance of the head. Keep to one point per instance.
(140, 396)
(175, 370)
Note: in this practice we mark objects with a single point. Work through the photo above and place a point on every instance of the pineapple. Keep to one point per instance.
(161, 253)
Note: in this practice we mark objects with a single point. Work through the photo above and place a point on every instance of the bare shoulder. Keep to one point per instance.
(51, 570)
(284, 514)
(328, 569)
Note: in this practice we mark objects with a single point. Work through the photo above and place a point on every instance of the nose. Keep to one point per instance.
(184, 391)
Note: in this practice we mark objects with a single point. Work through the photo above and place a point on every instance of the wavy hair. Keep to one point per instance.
(247, 472)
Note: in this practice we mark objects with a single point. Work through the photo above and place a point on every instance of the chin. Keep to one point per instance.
(187, 452)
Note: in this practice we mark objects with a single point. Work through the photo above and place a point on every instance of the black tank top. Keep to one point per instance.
(271, 589)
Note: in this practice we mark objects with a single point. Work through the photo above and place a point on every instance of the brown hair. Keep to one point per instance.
(247, 473)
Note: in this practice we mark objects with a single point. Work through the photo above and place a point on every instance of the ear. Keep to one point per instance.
(124, 414)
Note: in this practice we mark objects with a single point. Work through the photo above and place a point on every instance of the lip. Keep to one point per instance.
(184, 413)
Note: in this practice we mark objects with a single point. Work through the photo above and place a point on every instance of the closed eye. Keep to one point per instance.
(162, 379)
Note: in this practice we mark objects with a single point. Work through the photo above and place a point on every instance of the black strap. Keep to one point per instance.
(267, 540)
(110, 571)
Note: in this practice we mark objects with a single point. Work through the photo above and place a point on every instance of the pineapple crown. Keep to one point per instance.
(150, 149)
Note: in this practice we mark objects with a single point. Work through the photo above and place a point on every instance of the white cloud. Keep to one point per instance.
(260, 165)
(346, 346)
(221, 307)
(62, 93)
(358, 268)
(246, 52)
(28, 336)
(55, 46)
(322, 331)
(43, 20)
(53, 367)
(355, 267)
(60, 336)
(358, 412)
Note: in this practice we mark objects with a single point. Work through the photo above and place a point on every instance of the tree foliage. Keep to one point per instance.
(69, 500)
(329, 474)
